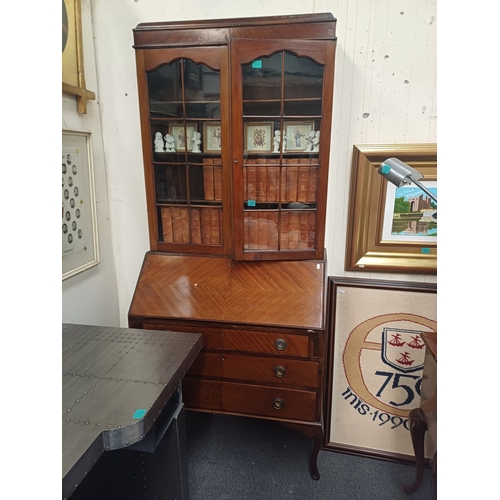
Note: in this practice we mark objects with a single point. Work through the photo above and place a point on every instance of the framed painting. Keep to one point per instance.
(80, 249)
(258, 137)
(392, 229)
(212, 137)
(73, 73)
(375, 363)
(183, 136)
(298, 135)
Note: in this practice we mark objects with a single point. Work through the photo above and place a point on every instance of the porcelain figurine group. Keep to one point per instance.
(167, 144)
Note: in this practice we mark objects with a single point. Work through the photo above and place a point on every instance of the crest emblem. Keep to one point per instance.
(403, 350)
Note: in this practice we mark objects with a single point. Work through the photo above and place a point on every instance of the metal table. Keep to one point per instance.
(121, 390)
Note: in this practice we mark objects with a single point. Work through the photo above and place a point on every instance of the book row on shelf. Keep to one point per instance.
(294, 230)
(299, 183)
(212, 178)
(199, 226)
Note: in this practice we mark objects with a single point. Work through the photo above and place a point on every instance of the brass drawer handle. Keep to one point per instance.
(280, 344)
(279, 371)
(278, 403)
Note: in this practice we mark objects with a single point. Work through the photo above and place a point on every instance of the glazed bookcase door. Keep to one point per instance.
(281, 115)
(184, 115)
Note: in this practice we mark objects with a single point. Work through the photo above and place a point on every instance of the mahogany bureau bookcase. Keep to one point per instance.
(236, 124)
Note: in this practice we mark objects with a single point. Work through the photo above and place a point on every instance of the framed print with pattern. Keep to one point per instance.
(258, 137)
(80, 249)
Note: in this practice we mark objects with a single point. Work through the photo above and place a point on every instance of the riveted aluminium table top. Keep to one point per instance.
(115, 383)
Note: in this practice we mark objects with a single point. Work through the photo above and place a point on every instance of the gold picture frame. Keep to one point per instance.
(73, 74)
(369, 248)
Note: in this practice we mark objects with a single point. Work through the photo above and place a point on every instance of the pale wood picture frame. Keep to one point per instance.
(212, 132)
(80, 247)
(296, 134)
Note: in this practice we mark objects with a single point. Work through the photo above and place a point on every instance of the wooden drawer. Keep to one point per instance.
(248, 399)
(243, 340)
(280, 371)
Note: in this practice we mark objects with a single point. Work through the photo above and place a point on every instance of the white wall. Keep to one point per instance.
(386, 68)
(91, 297)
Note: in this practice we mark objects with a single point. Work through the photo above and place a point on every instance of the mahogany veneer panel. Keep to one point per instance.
(219, 31)
(297, 372)
(262, 342)
(247, 399)
(283, 293)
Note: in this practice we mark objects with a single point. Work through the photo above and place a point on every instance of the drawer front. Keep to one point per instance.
(243, 340)
(248, 399)
(280, 371)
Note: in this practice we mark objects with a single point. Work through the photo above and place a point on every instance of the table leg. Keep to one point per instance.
(418, 427)
(315, 432)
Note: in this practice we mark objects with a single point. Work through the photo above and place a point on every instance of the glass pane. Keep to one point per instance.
(203, 110)
(303, 78)
(202, 91)
(262, 78)
(302, 107)
(260, 231)
(201, 83)
(165, 90)
(258, 108)
(170, 182)
(297, 230)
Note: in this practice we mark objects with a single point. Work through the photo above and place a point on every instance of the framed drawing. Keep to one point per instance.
(375, 364)
(80, 249)
(183, 136)
(258, 137)
(73, 74)
(212, 137)
(298, 135)
(392, 229)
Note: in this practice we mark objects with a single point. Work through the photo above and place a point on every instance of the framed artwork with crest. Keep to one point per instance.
(375, 364)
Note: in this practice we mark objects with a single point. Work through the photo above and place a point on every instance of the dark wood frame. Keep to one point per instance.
(210, 42)
(333, 283)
